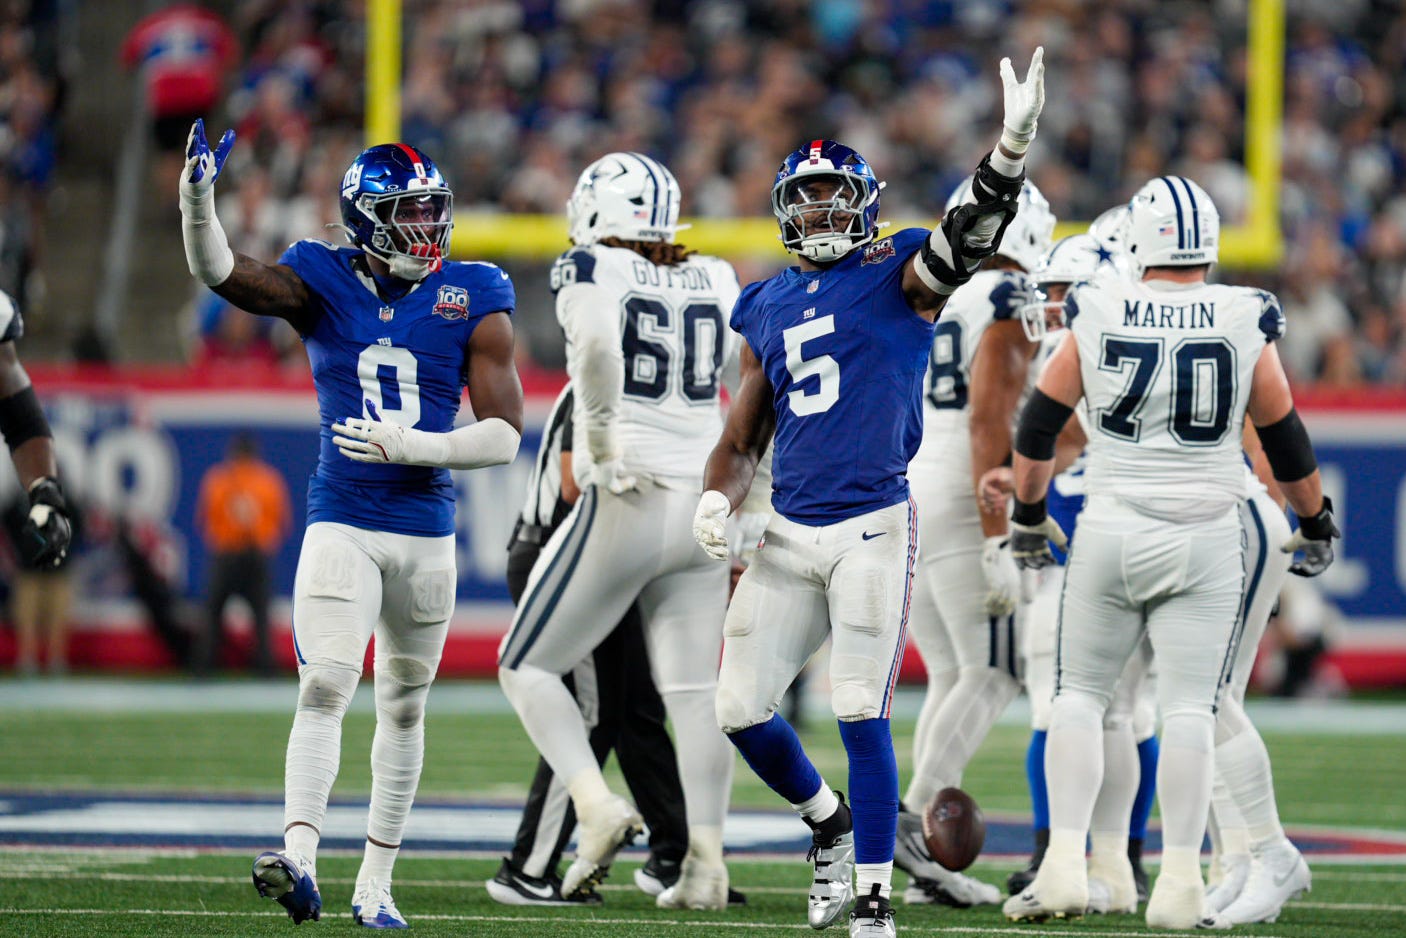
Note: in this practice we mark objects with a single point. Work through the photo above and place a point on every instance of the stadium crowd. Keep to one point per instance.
(509, 97)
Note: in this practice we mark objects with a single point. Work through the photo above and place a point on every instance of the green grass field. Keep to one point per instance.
(1333, 779)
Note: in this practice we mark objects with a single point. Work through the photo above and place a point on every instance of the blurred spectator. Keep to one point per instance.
(40, 598)
(183, 52)
(244, 514)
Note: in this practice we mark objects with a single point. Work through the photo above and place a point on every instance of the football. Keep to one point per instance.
(954, 829)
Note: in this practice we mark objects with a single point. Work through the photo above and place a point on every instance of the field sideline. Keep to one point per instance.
(99, 755)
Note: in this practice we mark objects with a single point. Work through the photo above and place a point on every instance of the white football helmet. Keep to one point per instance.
(1073, 259)
(627, 196)
(1029, 234)
(1172, 223)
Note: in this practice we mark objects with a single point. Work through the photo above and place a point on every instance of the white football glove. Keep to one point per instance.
(1024, 101)
(610, 474)
(710, 523)
(377, 441)
(1003, 587)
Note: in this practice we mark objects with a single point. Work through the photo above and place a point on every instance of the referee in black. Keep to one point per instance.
(618, 700)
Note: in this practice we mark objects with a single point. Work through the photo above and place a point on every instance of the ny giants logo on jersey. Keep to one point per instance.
(878, 252)
(452, 303)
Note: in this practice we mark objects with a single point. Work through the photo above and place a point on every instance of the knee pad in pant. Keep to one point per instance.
(326, 688)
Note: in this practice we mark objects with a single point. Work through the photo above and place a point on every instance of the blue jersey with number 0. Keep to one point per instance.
(846, 356)
(402, 361)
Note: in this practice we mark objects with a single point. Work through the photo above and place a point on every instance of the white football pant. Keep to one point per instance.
(611, 551)
(350, 584)
(849, 581)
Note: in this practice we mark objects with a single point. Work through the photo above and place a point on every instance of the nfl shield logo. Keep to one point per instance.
(387, 313)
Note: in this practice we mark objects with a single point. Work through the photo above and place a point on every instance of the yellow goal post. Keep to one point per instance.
(1255, 243)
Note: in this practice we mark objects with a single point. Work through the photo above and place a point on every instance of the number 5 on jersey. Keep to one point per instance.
(804, 403)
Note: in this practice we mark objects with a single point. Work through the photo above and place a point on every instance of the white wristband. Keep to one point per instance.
(208, 254)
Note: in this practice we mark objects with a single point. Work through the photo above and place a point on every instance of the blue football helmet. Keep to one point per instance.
(396, 206)
(826, 199)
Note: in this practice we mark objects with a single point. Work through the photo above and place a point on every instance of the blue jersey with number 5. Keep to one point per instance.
(402, 361)
(846, 357)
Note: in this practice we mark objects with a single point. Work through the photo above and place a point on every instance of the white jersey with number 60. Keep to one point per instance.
(1166, 370)
(674, 335)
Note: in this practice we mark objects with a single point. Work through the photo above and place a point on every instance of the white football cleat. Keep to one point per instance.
(604, 828)
(910, 854)
(1059, 890)
(1278, 873)
(700, 886)
(373, 907)
(1234, 871)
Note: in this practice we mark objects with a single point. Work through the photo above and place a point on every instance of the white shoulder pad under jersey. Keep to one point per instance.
(990, 296)
(675, 339)
(1166, 370)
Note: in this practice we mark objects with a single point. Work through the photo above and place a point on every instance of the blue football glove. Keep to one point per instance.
(203, 165)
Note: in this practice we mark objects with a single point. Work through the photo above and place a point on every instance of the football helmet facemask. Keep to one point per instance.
(397, 207)
(627, 196)
(1172, 222)
(1072, 260)
(826, 200)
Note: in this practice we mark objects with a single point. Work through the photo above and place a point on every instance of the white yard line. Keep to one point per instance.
(710, 925)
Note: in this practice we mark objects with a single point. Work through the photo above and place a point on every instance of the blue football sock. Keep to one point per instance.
(773, 750)
(1146, 789)
(873, 788)
(1035, 777)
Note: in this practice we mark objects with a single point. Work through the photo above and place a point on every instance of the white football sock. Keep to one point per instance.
(1073, 762)
(819, 806)
(377, 863)
(1243, 763)
(1184, 778)
(958, 729)
(940, 684)
(867, 874)
(1121, 773)
(314, 750)
(706, 758)
(397, 756)
(553, 722)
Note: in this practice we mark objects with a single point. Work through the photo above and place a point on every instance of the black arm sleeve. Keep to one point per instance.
(22, 419)
(1040, 424)
(1287, 447)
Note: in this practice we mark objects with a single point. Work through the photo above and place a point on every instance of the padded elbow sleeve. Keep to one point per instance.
(1287, 447)
(22, 418)
(1040, 424)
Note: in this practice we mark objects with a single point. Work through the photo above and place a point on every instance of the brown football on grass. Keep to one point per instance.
(954, 829)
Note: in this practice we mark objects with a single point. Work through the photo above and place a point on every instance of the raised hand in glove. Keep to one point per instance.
(47, 531)
(709, 523)
(1024, 101)
(203, 165)
(1315, 538)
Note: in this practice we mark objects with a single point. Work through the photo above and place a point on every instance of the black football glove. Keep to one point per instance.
(1315, 538)
(47, 531)
(1032, 530)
